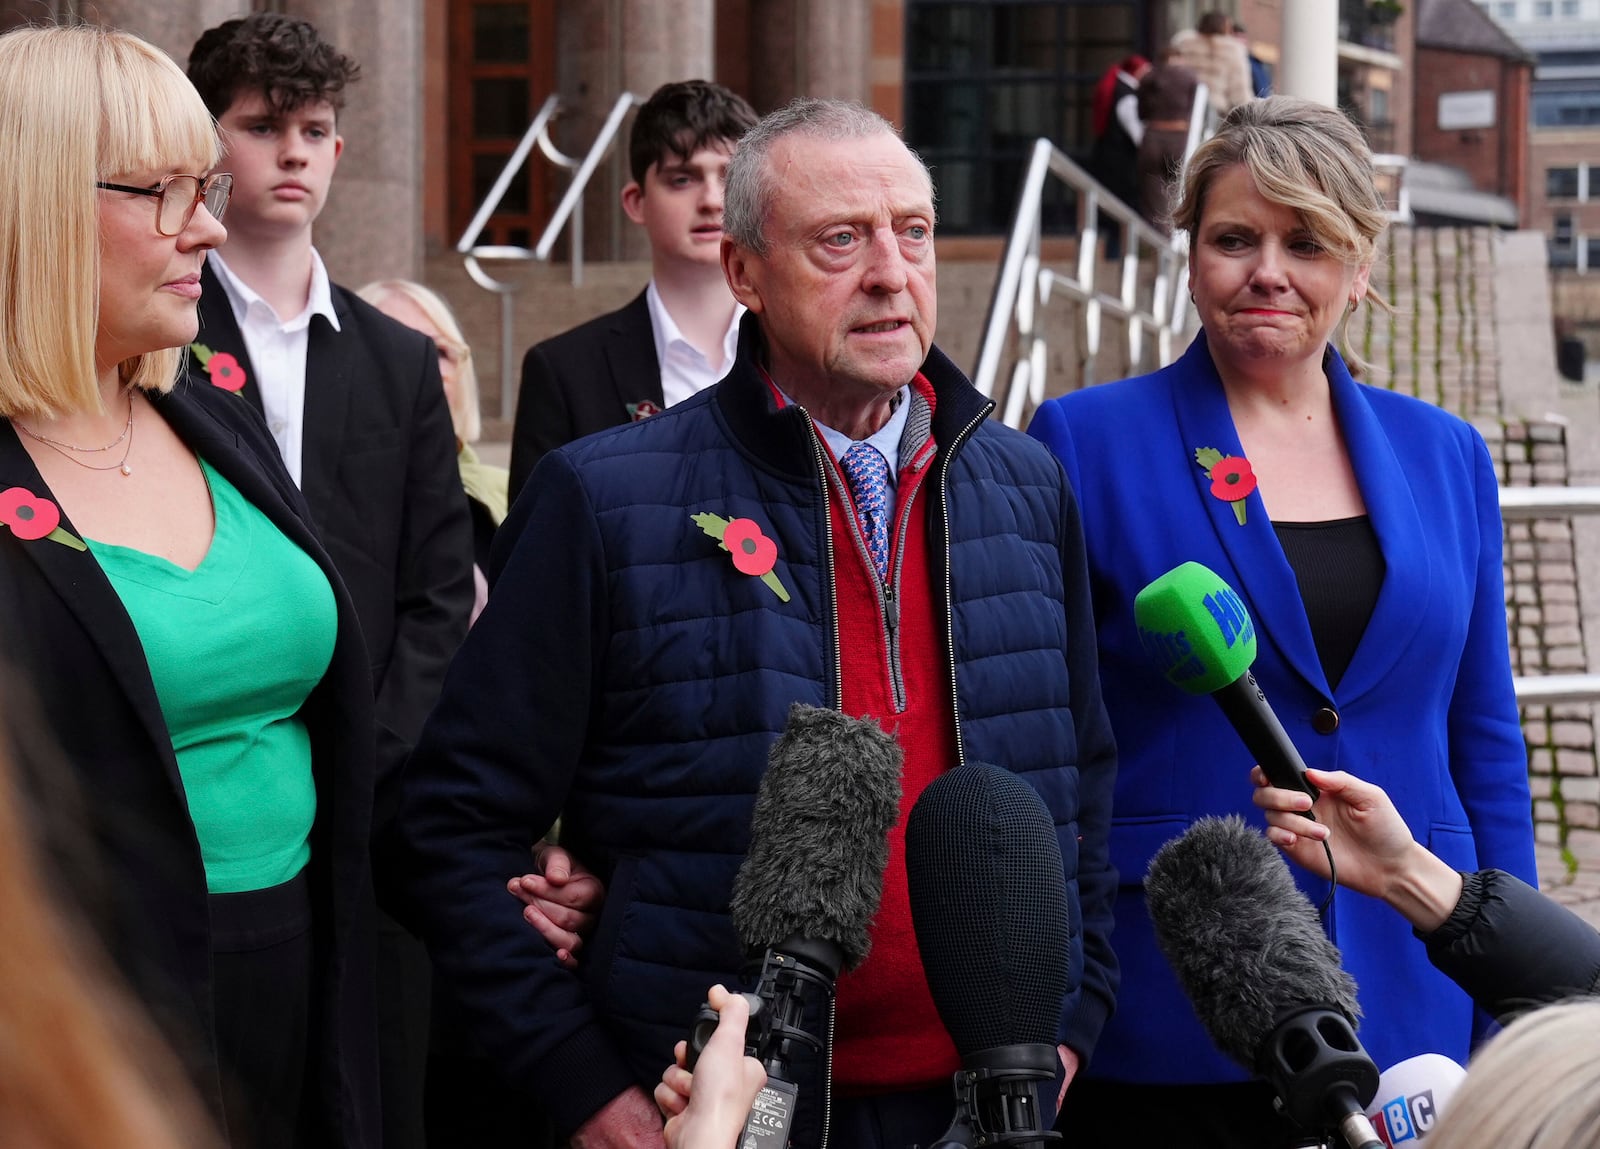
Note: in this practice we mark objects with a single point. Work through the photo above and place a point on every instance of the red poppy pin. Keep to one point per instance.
(753, 553)
(643, 409)
(30, 517)
(1232, 480)
(223, 368)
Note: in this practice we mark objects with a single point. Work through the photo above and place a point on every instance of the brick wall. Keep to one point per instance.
(1492, 156)
(1544, 616)
(1563, 148)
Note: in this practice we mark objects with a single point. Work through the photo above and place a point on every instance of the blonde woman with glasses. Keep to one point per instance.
(193, 652)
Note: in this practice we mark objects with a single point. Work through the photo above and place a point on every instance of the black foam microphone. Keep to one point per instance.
(989, 905)
(804, 898)
(1264, 979)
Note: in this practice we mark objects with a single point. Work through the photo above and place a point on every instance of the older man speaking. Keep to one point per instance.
(835, 523)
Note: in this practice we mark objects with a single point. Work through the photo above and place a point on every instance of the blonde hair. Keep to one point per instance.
(1304, 156)
(78, 105)
(80, 1066)
(1535, 1086)
(464, 412)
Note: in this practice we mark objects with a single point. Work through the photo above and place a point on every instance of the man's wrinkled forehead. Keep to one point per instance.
(829, 174)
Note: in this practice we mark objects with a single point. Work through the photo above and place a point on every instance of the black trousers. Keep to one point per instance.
(1237, 1116)
(263, 971)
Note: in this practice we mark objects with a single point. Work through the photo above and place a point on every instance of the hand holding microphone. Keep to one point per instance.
(707, 1109)
(805, 895)
(1370, 842)
(1197, 630)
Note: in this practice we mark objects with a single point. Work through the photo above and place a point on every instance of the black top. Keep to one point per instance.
(1339, 568)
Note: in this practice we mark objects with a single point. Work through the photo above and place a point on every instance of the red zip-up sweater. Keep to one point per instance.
(889, 1037)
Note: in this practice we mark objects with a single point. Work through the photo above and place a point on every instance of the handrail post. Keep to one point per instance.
(1024, 285)
(571, 207)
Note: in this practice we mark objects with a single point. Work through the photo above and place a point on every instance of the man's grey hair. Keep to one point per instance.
(751, 181)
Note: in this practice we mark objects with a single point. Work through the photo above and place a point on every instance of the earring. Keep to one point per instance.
(1355, 302)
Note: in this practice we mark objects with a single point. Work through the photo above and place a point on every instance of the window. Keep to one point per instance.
(1543, 9)
(1591, 251)
(502, 66)
(1570, 8)
(983, 80)
(1561, 183)
(1563, 249)
(1506, 9)
(1565, 109)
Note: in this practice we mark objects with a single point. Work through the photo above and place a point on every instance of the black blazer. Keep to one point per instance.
(378, 469)
(68, 634)
(583, 381)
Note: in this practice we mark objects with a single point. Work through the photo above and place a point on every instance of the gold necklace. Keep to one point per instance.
(62, 448)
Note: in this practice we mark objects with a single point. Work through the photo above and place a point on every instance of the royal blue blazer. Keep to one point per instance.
(1425, 709)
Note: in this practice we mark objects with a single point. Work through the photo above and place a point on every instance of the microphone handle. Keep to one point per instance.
(1358, 1133)
(1246, 707)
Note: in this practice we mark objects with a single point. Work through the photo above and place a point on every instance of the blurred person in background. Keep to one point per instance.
(1165, 98)
(1221, 62)
(423, 310)
(1114, 158)
(81, 1067)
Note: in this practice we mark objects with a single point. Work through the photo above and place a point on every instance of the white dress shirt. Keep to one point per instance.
(684, 370)
(278, 352)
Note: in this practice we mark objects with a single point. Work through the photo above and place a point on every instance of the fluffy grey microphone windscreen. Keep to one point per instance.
(819, 834)
(989, 905)
(1243, 939)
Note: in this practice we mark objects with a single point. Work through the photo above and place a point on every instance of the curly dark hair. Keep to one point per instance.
(681, 118)
(282, 57)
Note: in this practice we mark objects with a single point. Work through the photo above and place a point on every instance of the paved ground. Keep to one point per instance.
(1578, 889)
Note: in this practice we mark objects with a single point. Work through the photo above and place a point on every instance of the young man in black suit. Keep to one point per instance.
(355, 403)
(678, 335)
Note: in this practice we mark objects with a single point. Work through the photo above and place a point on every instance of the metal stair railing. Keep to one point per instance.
(569, 210)
(1024, 285)
(1522, 503)
(1162, 314)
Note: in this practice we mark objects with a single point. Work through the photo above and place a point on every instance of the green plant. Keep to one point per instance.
(1385, 11)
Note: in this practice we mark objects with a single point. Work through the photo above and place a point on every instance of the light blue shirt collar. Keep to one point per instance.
(886, 440)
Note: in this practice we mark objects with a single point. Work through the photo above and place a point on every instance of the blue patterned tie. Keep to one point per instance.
(868, 473)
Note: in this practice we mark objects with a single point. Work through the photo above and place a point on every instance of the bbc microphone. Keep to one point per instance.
(1264, 980)
(1411, 1098)
(1196, 628)
(805, 895)
(989, 907)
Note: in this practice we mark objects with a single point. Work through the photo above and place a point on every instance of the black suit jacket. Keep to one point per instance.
(379, 472)
(583, 381)
(66, 631)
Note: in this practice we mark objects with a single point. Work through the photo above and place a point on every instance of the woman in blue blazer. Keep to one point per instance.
(1362, 529)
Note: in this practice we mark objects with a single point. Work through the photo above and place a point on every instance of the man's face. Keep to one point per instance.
(680, 205)
(282, 165)
(845, 293)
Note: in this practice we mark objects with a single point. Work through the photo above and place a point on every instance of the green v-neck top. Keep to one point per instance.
(234, 648)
